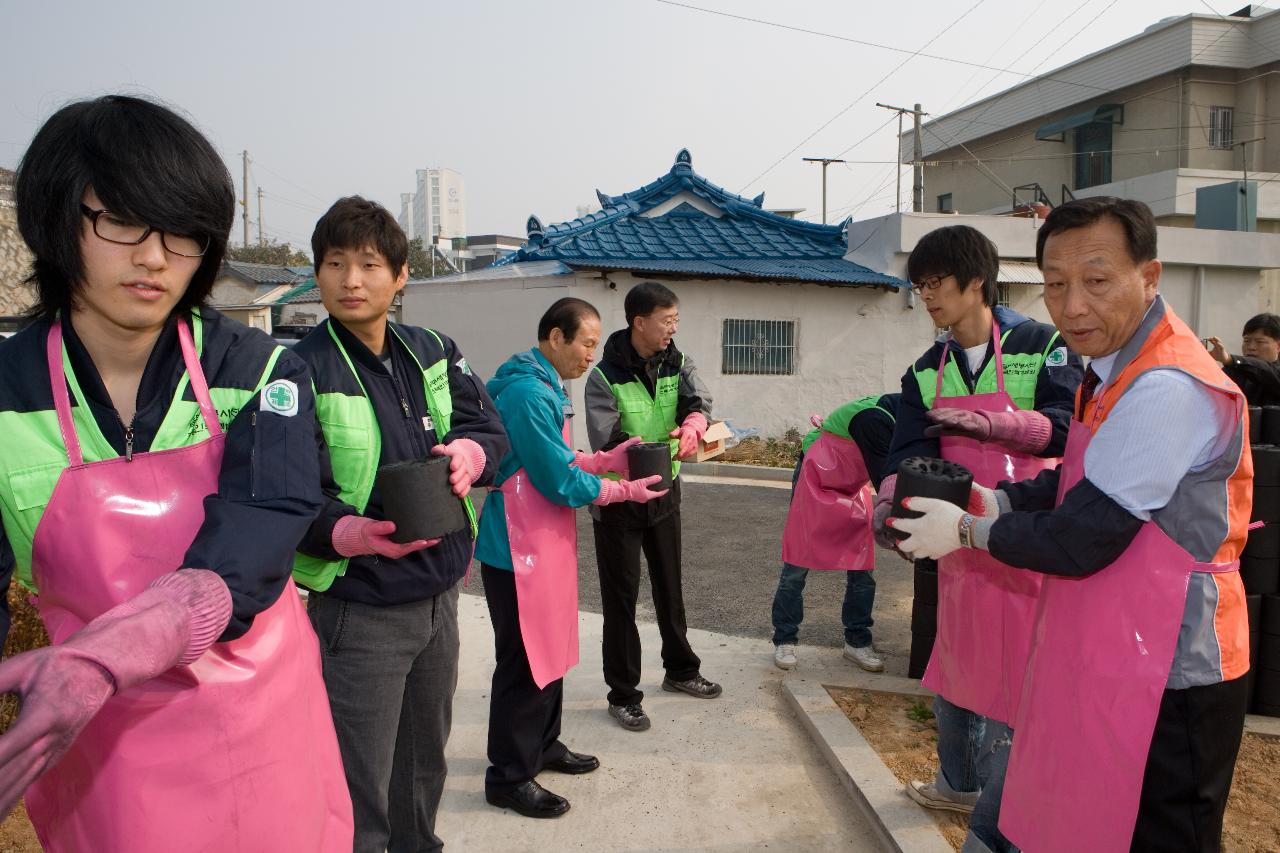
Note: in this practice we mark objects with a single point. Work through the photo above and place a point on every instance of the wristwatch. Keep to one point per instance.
(966, 530)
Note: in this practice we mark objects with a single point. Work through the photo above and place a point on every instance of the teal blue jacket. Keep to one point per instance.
(532, 404)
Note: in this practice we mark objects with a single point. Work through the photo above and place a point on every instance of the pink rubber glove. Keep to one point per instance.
(689, 433)
(172, 622)
(466, 463)
(357, 536)
(879, 516)
(1023, 431)
(816, 420)
(614, 491)
(606, 461)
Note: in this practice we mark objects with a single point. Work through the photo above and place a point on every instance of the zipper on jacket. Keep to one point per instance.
(128, 439)
(253, 456)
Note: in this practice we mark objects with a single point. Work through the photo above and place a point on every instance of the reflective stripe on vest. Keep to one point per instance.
(1021, 373)
(652, 417)
(34, 455)
(351, 432)
(837, 423)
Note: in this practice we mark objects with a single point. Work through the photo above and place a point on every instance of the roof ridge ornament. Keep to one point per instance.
(604, 200)
(683, 159)
(758, 201)
(533, 227)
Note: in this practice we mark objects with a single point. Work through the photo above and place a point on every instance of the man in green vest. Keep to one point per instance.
(386, 612)
(645, 387)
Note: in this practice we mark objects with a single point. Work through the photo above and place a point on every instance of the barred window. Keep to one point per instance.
(1004, 295)
(1221, 128)
(759, 346)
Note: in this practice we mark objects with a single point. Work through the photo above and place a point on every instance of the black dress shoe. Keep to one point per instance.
(573, 762)
(529, 799)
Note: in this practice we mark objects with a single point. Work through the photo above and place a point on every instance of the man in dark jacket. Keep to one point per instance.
(645, 387)
(386, 612)
(1257, 370)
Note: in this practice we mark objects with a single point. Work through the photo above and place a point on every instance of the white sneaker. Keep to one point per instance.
(928, 795)
(784, 656)
(864, 656)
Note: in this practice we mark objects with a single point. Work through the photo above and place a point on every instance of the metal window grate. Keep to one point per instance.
(759, 346)
(1221, 127)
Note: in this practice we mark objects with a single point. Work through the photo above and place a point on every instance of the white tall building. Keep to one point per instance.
(438, 208)
(406, 214)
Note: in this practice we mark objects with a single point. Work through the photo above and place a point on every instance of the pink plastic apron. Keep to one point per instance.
(986, 610)
(1104, 646)
(544, 555)
(235, 752)
(829, 522)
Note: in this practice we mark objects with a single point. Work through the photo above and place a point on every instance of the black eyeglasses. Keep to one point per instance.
(113, 229)
(931, 283)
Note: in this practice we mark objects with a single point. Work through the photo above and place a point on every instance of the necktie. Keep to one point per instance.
(1087, 386)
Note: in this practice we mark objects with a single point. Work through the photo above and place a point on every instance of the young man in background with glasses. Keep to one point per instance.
(645, 387)
(994, 393)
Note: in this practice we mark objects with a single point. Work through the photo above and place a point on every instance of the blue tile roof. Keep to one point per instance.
(710, 232)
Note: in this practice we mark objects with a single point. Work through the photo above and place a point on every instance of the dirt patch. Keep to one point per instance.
(907, 743)
(772, 452)
(26, 632)
(17, 835)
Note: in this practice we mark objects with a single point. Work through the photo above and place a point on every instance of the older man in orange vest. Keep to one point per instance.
(1134, 702)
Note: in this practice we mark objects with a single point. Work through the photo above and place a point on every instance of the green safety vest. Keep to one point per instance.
(837, 423)
(652, 417)
(1021, 373)
(35, 455)
(350, 428)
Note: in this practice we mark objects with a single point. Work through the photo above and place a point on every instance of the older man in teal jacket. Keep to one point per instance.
(527, 548)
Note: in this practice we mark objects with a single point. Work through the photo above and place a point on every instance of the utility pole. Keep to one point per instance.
(1243, 145)
(244, 196)
(917, 190)
(261, 242)
(917, 174)
(825, 161)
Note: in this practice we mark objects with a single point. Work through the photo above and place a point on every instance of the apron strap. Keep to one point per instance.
(61, 399)
(999, 360)
(198, 384)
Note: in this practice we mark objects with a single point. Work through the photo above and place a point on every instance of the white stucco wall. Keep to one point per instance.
(850, 341)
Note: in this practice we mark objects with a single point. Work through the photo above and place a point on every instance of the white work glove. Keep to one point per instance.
(934, 534)
(983, 503)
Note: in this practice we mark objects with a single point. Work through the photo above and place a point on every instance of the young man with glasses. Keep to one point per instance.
(994, 393)
(645, 387)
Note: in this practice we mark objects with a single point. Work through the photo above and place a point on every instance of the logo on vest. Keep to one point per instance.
(462, 365)
(280, 397)
(1057, 358)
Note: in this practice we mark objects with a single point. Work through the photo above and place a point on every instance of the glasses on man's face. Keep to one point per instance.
(930, 283)
(113, 229)
(669, 323)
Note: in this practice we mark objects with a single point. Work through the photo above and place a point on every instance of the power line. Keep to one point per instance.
(852, 103)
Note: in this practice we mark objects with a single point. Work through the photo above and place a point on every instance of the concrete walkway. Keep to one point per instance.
(736, 773)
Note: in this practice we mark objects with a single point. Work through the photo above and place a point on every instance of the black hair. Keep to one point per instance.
(1134, 217)
(645, 298)
(146, 163)
(961, 251)
(566, 315)
(356, 223)
(1268, 324)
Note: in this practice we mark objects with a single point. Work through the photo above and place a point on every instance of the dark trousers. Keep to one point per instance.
(1189, 769)
(618, 558)
(390, 673)
(524, 722)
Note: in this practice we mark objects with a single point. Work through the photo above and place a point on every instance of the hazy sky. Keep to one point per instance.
(538, 104)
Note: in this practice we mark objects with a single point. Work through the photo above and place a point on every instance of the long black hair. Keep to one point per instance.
(146, 163)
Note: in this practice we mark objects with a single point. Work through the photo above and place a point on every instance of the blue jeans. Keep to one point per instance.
(973, 755)
(788, 606)
(788, 601)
